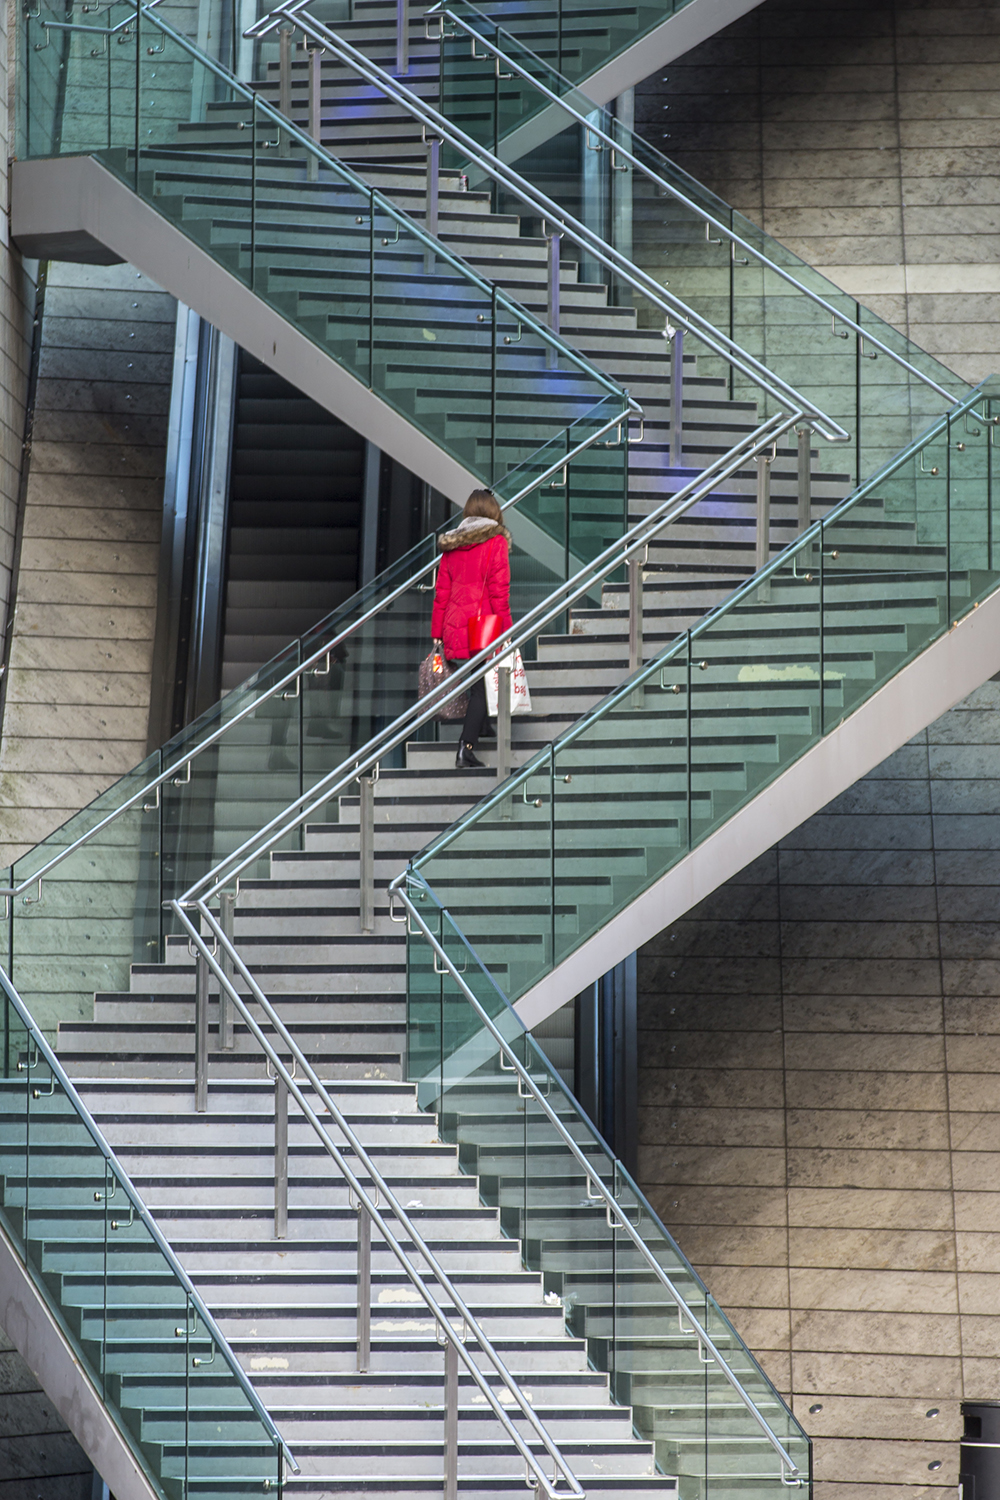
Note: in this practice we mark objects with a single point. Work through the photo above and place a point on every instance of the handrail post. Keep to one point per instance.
(504, 675)
(677, 400)
(553, 262)
(366, 852)
(402, 36)
(450, 1421)
(280, 1158)
(285, 84)
(635, 567)
(433, 197)
(201, 1034)
(227, 913)
(763, 555)
(315, 55)
(364, 1289)
(804, 520)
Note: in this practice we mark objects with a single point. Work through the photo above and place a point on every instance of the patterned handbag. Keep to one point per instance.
(434, 670)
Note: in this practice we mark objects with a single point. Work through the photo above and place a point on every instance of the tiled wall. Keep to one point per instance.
(39, 1458)
(820, 1106)
(16, 312)
(78, 688)
(863, 135)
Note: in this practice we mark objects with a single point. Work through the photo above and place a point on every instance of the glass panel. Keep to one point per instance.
(78, 1226)
(623, 1286)
(776, 308)
(671, 754)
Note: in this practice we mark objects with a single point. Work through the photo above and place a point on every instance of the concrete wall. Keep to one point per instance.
(820, 1106)
(863, 135)
(79, 676)
(39, 1458)
(16, 312)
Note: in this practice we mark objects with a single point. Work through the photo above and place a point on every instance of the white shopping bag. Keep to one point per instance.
(520, 697)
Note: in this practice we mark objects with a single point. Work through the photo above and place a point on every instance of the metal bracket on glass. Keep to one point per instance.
(123, 1224)
(835, 330)
(614, 165)
(429, 588)
(794, 1483)
(448, 968)
(395, 239)
(673, 687)
(273, 1076)
(708, 235)
(214, 950)
(863, 351)
(25, 1064)
(154, 806)
(536, 802)
(36, 899)
(600, 143)
(323, 671)
(508, 340)
(737, 260)
(560, 484)
(631, 441)
(298, 684)
(930, 472)
(199, 1364)
(47, 1093)
(183, 780)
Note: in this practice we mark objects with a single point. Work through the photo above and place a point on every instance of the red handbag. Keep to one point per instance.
(483, 629)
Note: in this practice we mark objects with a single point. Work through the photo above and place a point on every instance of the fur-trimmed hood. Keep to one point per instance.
(470, 532)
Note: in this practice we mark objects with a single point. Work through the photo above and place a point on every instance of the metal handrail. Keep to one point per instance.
(594, 1181)
(427, 708)
(442, 9)
(143, 1214)
(386, 205)
(175, 773)
(301, 1064)
(554, 215)
(806, 539)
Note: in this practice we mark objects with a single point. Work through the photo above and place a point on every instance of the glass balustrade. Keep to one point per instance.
(130, 1314)
(338, 261)
(499, 86)
(665, 760)
(641, 1311)
(101, 908)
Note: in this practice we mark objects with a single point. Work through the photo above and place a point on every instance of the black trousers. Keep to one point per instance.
(475, 714)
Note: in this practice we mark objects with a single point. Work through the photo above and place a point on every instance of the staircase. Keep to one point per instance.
(618, 784)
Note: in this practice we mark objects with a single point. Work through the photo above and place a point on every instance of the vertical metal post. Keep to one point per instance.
(364, 1289)
(402, 36)
(635, 566)
(554, 259)
(763, 511)
(804, 435)
(677, 400)
(227, 907)
(285, 84)
(450, 1421)
(315, 106)
(366, 850)
(280, 1159)
(201, 1034)
(433, 196)
(503, 728)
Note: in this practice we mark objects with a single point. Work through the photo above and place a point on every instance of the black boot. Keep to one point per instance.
(465, 760)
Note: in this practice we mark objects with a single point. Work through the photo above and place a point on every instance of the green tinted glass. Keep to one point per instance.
(129, 1312)
(609, 1268)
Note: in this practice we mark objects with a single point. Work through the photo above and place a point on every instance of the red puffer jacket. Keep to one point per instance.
(473, 579)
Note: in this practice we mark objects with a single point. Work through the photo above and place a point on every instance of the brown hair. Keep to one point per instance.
(483, 503)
